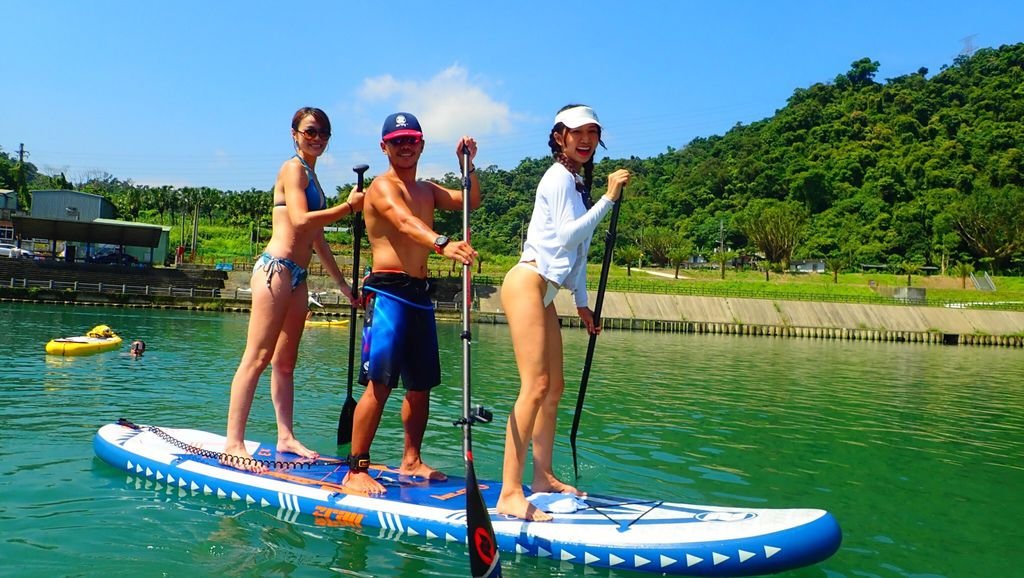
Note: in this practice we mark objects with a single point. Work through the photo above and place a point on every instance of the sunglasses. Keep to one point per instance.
(401, 141)
(311, 133)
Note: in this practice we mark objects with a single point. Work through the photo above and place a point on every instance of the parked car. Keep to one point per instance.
(15, 252)
(112, 259)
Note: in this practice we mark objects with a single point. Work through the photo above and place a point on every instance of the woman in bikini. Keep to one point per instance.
(279, 295)
(554, 256)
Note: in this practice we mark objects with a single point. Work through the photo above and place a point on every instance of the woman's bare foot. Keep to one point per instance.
(422, 470)
(555, 486)
(294, 446)
(519, 507)
(242, 460)
(363, 483)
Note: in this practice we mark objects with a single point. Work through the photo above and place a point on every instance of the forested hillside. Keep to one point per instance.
(914, 169)
(923, 169)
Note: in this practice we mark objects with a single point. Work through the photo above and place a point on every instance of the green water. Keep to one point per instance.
(918, 450)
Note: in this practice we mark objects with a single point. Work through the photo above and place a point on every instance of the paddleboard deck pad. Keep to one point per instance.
(612, 532)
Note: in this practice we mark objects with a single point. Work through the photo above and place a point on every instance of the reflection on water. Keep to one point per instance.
(916, 449)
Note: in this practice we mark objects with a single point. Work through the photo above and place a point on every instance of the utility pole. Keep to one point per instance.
(721, 248)
(23, 200)
(195, 228)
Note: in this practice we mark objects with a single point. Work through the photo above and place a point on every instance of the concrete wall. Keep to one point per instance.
(773, 313)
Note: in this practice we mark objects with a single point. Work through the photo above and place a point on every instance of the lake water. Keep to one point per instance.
(918, 450)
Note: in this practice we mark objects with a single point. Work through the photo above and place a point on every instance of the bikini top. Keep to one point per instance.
(315, 199)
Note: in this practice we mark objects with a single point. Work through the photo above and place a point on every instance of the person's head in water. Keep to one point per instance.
(138, 347)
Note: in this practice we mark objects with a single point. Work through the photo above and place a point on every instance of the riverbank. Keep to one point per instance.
(780, 318)
(664, 313)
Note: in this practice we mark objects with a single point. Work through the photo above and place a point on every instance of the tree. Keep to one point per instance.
(909, 268)
(8, 178)
(680, 253)
(655, 243)
(723, 258)
(481, 256)
(992, 223)
(963, 271)
(862, 72)
(630, 254)
(774, 227)
(838, 261)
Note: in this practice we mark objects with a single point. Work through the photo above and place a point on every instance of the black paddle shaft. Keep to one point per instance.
(347, 414)
(609, 247)
(357, 240)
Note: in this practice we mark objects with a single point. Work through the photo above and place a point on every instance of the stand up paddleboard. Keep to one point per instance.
(613, 532)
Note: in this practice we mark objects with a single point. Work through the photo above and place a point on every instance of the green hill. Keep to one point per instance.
(916, 169)
(907, 172)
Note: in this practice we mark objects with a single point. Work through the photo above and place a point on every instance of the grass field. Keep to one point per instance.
(873, 287)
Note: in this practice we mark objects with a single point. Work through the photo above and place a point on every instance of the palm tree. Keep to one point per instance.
(480, 258)
(963, 271)
(630, 254)
(677, 257)
(910, 269)
(722, 258)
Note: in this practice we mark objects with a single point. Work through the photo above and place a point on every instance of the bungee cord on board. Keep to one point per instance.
(226, 459)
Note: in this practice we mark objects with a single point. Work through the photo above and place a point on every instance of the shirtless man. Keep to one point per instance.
(399, 334)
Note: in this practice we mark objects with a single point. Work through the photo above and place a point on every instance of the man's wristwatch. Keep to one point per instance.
(439, 244)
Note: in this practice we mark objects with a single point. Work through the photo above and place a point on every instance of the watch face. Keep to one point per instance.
(441, 241)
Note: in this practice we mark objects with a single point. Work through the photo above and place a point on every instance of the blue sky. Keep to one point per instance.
(202, 92)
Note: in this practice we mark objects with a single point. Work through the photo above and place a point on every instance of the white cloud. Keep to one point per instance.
(382, 88)
(448, 105)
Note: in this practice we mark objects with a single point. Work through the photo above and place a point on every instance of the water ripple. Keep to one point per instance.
(917, 449)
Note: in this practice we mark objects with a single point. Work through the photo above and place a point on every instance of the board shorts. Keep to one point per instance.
(399, 333)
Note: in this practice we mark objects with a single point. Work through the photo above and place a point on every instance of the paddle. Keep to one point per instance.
(609, 246)
(348, 410)
(483, 548)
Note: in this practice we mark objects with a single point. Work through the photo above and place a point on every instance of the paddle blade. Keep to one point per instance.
(348, 409)
(483, 548)
(345, 419)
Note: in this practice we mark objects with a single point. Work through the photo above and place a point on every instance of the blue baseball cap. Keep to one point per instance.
(400, 124)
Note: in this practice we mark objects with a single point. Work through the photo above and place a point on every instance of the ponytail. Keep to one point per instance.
(588, 182)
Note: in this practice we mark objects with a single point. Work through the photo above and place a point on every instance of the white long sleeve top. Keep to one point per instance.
(560, 231)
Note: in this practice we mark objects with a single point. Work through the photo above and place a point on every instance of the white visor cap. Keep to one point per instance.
(577, 116)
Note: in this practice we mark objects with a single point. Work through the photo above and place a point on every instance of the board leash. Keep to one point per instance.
(225, 458)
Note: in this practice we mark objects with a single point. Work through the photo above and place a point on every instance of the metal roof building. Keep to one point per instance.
(71, 205)
(85, 223)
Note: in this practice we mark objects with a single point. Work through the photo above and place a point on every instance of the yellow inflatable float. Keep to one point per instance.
(327, 323)
(99, 338)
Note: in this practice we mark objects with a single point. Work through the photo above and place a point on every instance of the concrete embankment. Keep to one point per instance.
(669, 313)
(686, 314)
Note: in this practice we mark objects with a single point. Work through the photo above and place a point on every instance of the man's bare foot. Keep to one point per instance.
(363, 483)
(422, 470)
(242, 460)
(519, 507)
(294, 446)
(555, 486)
